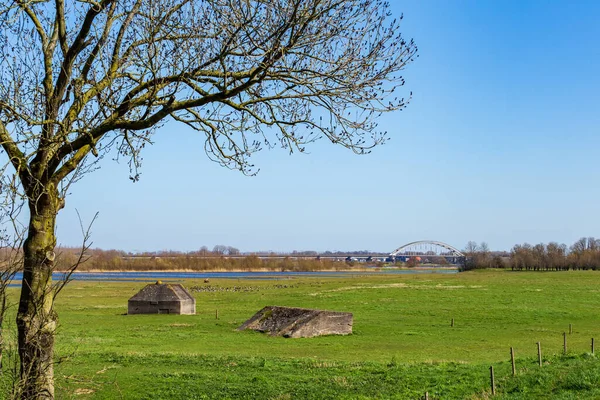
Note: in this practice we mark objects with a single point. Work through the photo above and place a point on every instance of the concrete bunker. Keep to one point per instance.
(162, 298)
(299, 322)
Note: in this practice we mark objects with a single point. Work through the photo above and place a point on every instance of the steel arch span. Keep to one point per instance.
(419, 246)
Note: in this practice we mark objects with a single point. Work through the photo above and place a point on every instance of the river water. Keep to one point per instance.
(151, 276)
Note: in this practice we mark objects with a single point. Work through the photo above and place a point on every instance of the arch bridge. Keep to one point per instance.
(428, 251)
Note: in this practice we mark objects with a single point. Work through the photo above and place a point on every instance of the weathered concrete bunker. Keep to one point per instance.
(162, 298)
(299, 322)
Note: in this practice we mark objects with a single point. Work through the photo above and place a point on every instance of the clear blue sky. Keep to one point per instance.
(500, 144)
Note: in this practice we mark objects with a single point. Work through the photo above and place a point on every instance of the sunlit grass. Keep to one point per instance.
(403, 343)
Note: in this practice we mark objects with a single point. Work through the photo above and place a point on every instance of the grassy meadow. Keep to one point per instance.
(402, 346)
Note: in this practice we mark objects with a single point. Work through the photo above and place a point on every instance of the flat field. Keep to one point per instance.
(403, 343)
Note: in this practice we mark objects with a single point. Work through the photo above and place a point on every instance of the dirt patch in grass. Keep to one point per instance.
(83, 391)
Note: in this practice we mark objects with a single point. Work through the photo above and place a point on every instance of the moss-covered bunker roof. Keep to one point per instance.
(162, 292)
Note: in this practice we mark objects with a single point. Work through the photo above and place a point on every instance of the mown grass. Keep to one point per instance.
(402, 346)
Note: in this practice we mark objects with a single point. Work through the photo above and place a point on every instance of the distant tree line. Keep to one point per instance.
(219, 259)
(584, 254)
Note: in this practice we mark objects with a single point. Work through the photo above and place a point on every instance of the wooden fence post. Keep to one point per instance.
(570, 329)
(592, 346)
(565, 342)
(217, 314)
(512, 361)
(492, 379)
(539, 345)
(452, 323)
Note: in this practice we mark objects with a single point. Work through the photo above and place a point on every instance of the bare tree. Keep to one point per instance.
(233, 251)
(585, 253)
(556, 254)
(484, 256)
(471, 248)
(81, 77)
(470, 260)
(219, 249)
(203, 251)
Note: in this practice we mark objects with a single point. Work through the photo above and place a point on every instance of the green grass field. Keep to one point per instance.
(402, 346)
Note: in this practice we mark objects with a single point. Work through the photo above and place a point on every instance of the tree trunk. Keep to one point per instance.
(36, 319)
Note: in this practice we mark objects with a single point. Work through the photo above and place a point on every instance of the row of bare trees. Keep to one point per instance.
(584, 254)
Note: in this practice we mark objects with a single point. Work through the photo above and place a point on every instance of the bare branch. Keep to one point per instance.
(82, 256)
